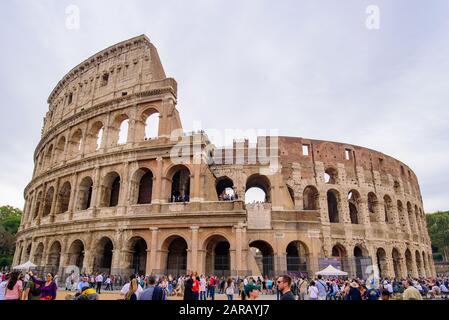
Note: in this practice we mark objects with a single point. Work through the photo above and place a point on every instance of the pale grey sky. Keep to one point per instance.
(306, 68)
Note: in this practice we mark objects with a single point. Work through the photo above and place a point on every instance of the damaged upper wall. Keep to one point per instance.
(126, 68)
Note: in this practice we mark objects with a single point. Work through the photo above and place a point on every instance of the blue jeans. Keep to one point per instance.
(230, 296)
(195, 296)
(212, 292)
(203, 295)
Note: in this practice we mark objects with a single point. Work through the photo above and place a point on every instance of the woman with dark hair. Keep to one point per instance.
(48, 286)
(188, 284)
(14, 287)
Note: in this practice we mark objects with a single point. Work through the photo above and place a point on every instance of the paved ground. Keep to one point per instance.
(115, 295)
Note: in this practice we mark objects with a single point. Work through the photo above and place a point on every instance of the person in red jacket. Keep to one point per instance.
(196, 287)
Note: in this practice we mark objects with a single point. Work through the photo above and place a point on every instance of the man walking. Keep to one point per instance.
(99, 281)
(284, 286)
(152, 292)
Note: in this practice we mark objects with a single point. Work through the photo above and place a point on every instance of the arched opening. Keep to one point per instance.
(151, 120)
(85, 193)
(388, 209)
(297, 257)
(76, 254)
(373, 205)
(354, 205)
(39, 200)
(397, 266)
(330, 176)
(411, 218)
(48, 201)
(332, 206)
(225, 189)
(110, 190)
(402, 217)
(311, 198)
(123, 132)
(64, 198)
(382, 262)
(95, 138)
(49, 156)
(425, 265)
(218, 257)
(139, 255)
(54, 257)
(180, 185)
(28, 253)
(256, 185)
(264, 255)
(75, 143)
(142, 186)
(103, 255)
(418, 220)
(38, 254)
(176, 256)
(409, 262)
(360, 262)
(340, 256)
(419, 264)
(397, 187)
(60, 148)
(118, 131)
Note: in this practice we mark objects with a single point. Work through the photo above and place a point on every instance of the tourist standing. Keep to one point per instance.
(354, 291)
(410, 292)
(303, 286)
(14, 287)
(284, 283)
(188, 284)
(252, 291)
(203, 284)
(211, 291)
(313, 291)
(322, 288)
(230, 289)
(48, 286)
(152, 292)
(3, 284)
(99, 281)
(132, 289)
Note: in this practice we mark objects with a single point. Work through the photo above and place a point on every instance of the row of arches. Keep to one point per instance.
(412, 218)
(99, 135)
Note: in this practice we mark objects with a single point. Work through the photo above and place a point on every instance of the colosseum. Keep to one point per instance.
(118, 187)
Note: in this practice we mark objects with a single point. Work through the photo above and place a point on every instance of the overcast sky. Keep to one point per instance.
(306, 68)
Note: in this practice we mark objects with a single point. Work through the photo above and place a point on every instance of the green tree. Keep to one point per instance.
(438, 226)
(9, 224)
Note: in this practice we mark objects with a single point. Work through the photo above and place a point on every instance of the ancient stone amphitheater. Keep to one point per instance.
(119, 187)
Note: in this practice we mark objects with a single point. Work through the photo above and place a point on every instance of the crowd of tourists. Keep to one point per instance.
(27, 286)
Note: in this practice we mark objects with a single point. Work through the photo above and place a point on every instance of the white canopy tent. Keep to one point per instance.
(331, 271)
(25, 266)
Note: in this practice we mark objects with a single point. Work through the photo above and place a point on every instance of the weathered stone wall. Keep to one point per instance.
(86, 205)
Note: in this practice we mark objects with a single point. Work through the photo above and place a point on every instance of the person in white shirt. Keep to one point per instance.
(125, 288)
(313, 291)
(3, 285)
(203, 288)
(99, 281)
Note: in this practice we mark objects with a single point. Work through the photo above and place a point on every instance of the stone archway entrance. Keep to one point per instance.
(297, 257)
(263, 254)
(176, 259)
(103, 256)
(218, 258)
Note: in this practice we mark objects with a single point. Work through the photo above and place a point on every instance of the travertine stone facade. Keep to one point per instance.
(107, 196)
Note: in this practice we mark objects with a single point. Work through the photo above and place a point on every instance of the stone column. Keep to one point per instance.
(157, 187)
(193, 261)
(196, 183)
(54, 201)
(73, 195)
(390, 268)
(238, 248)
(152, 255)
(96, 190)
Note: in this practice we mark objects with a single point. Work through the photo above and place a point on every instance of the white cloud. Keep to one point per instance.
(307, 68)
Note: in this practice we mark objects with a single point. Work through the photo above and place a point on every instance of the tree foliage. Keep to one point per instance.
(438, 226)
(9, 224)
